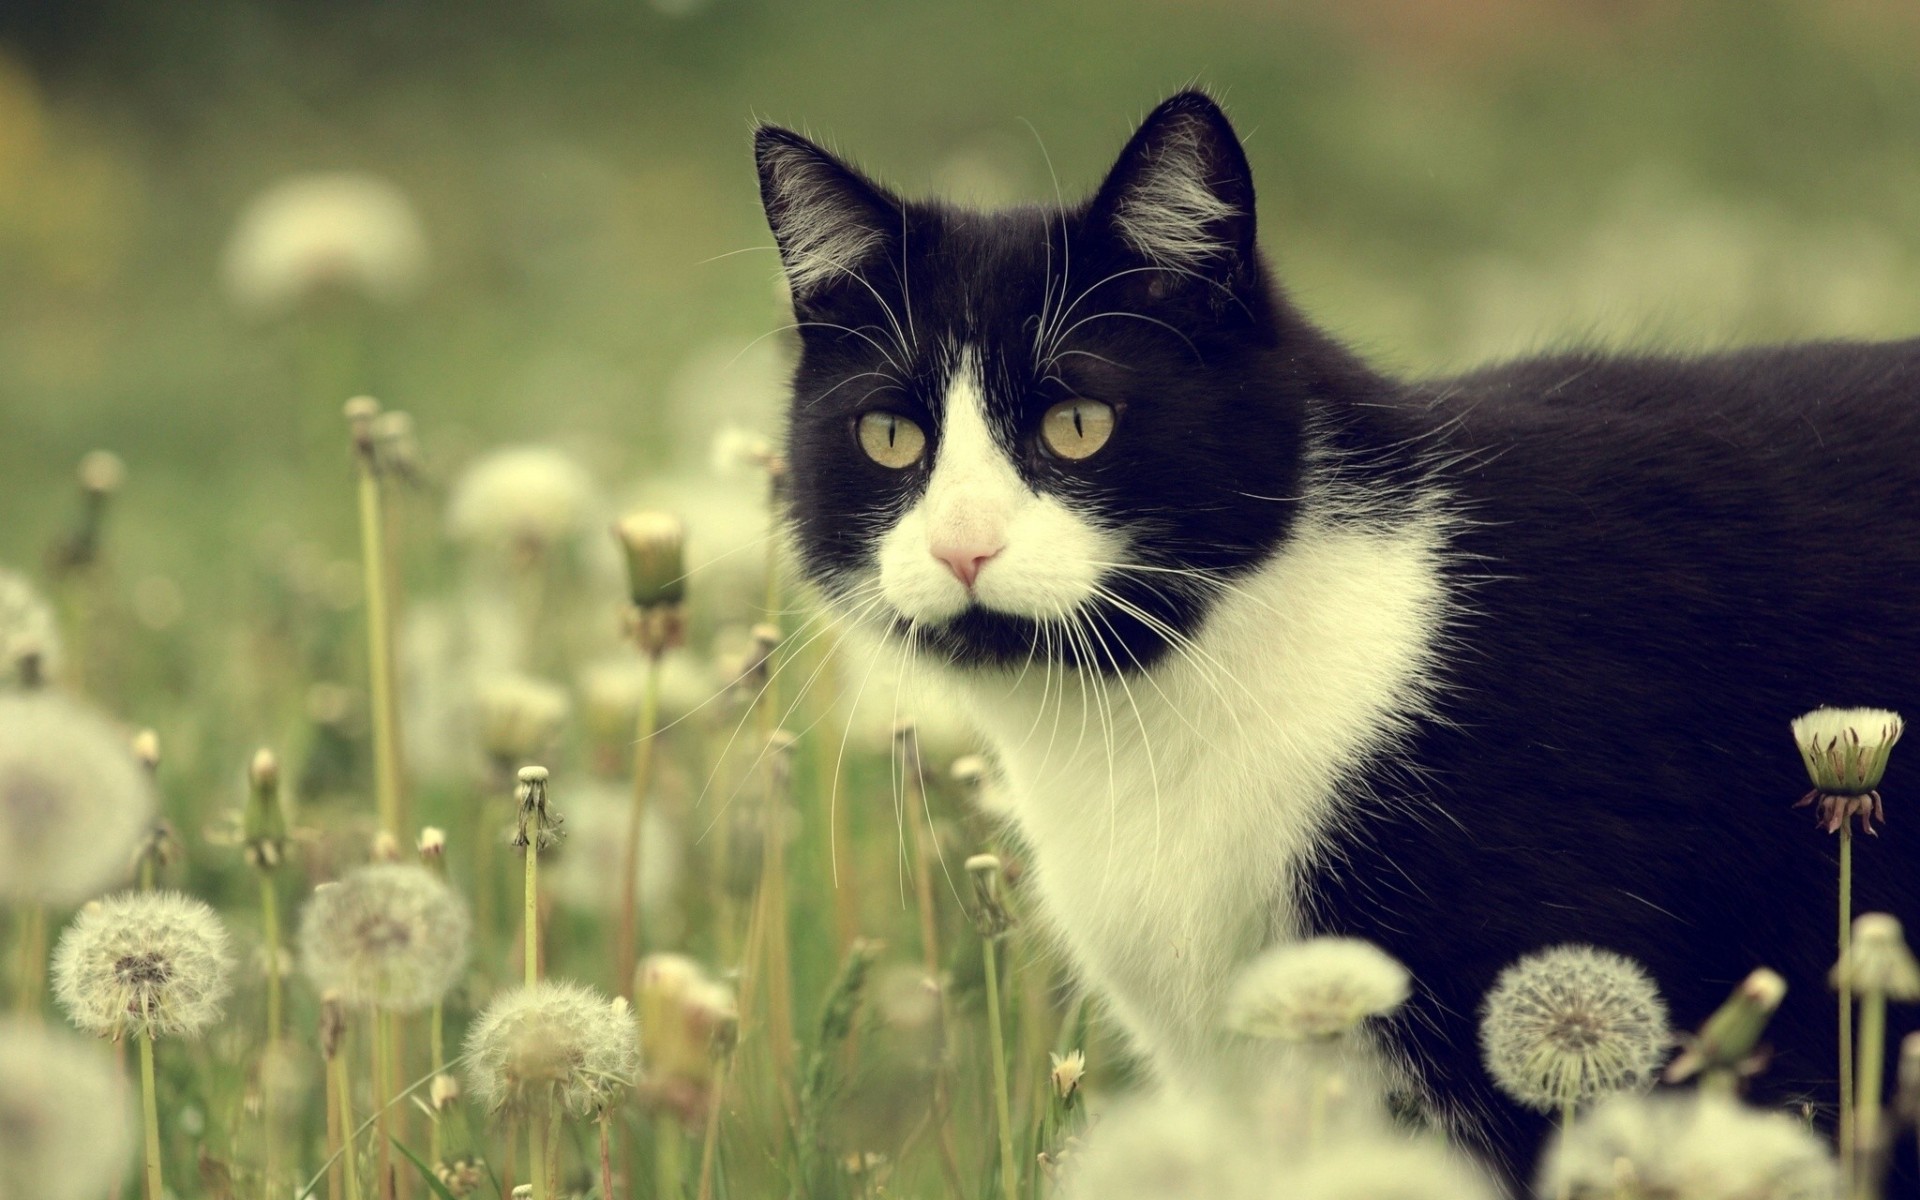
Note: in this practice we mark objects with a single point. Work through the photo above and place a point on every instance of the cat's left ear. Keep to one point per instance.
(830, 221)
(1181, 194)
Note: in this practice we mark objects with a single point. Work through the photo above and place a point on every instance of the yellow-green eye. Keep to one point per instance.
(891, 440)
(1076, 429)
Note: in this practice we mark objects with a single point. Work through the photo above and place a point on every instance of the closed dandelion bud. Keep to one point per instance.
(155, 964)
(1697, 1145)
(1571, 1024)
(29, 634)
(520, 717)
(265, 824)
(66, 1131)
(391, 936)
(395, 448)
(1315, 990)
(655, 547)
(1845, 751)
(74, 803)
(1878, 961)
(101, 472)
(146, 749)
(1065, 1073)
(522, 501)
(990, 914)
(537, 825)
(433, 848)
(552, 1048)
(1728, 1040)
(443, 1093)
(361, 412)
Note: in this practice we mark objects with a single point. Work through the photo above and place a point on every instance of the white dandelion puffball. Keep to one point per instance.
(522, 498)
(1388, 1168)
(156, 964)
(391, 936)
(74, 802)
(1690, 1144)
(1169, 1147)
(27, 631)
(1571, 1024)
(312, 234)
(1315, 990)
(585, 871)
(552, 1045)
(66, 1125)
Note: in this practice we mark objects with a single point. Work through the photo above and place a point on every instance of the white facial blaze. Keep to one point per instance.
(1046, 559)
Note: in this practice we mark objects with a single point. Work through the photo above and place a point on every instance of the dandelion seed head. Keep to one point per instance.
(1696, 1145)
(68, 1140)
(522, 498)
(552, 1045)
(390, 935)
(1845, 750)
(1167, 1147)
(1571, 1024)
(315, 234)
(155, 964)
(1314, 990)
(29, 635)
(74, 802)
(520, 716)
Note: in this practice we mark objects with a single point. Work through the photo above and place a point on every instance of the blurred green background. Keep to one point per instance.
(1441, 181)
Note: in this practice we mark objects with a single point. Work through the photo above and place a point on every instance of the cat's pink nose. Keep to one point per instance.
(965, 561)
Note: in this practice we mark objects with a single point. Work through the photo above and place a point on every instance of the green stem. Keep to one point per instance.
(1866, 1117)
(1846, 1007)
(382, 1096)
(438, 1035)
(33, 958)
(373, 558)
(531, 918)
(627, 952)
(150, 1113)
(270, 929)
(1009, 1175)
(537, 1151)
(606, 1158)
(667, 1166)
(710, 1140)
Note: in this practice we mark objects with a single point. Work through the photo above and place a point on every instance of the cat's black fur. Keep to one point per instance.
(1662, 560)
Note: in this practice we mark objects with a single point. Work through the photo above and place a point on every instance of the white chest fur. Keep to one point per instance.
(1170, 815)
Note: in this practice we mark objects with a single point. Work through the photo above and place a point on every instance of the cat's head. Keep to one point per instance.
(1043, 432)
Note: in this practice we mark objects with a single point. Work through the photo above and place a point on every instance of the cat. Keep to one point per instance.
(1269, 643)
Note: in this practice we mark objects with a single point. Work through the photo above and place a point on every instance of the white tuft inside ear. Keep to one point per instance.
(823, 231)
(1171, 212)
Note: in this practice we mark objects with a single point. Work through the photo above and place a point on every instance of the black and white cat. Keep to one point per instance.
(1269, 643)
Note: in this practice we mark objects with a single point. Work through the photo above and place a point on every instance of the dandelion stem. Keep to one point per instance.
(150, 1113)
(1866, 1117)
(1009, 1177)
(537, 1151)
(374, 558)
(270, 932)
(710, 1140)
(437, 1035)
(668, 1167)
(530, 933)
(606, 1157)
(32, 963)
(626, 953)
(1846, 1007)
(382, 1080)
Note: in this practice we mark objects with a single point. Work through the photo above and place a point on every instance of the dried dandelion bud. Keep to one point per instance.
(1697, 1145)
(385, 848)
(1065, 1071)
(461, 1175)
(655, 546)
(29, 634)
(1571, 1024)
(1728, 1041)
(1315, 990)
(990, 915)
(520, 717)
(361, 412)
(74, 803)
(154, 964)
(443, 1093)
(1878, 960)
(159, 847)
(265, 824)
(521, 500)
(552, 1047)
(433, 848)
(754, 671)
(395, 448)
(146, 749)
(66, 1131)
(536, 825)
(391, 936)
(333, 1024)
(311, 236)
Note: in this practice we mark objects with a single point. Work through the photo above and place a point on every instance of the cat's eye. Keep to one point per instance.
(891, 440)
(1076, 429)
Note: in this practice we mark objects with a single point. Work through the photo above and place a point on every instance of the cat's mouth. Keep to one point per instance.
(1096, 636)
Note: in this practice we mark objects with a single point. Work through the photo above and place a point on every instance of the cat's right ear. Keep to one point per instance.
(830, 222)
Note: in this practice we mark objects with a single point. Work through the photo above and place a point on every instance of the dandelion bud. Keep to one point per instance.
(1065, 1073)
(396, 449)
(361, 411)
(1878, 960)
(66, 1131)
(655, 546)
(158, 849)
(74, 803)
(462, 1175)
(552, 1046)
(990, 914)
(537, 825)
(1315, 990)
(1572, 1024)
(752, 676)
(520, 717)
(385, 848)
(101, 472)
(433, 848)
(333, 1024)
(265, 825)
(1726, 1042)
(146, 749)
(391, 936)
(29, 634)
(444, 1092)
(148, 963)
